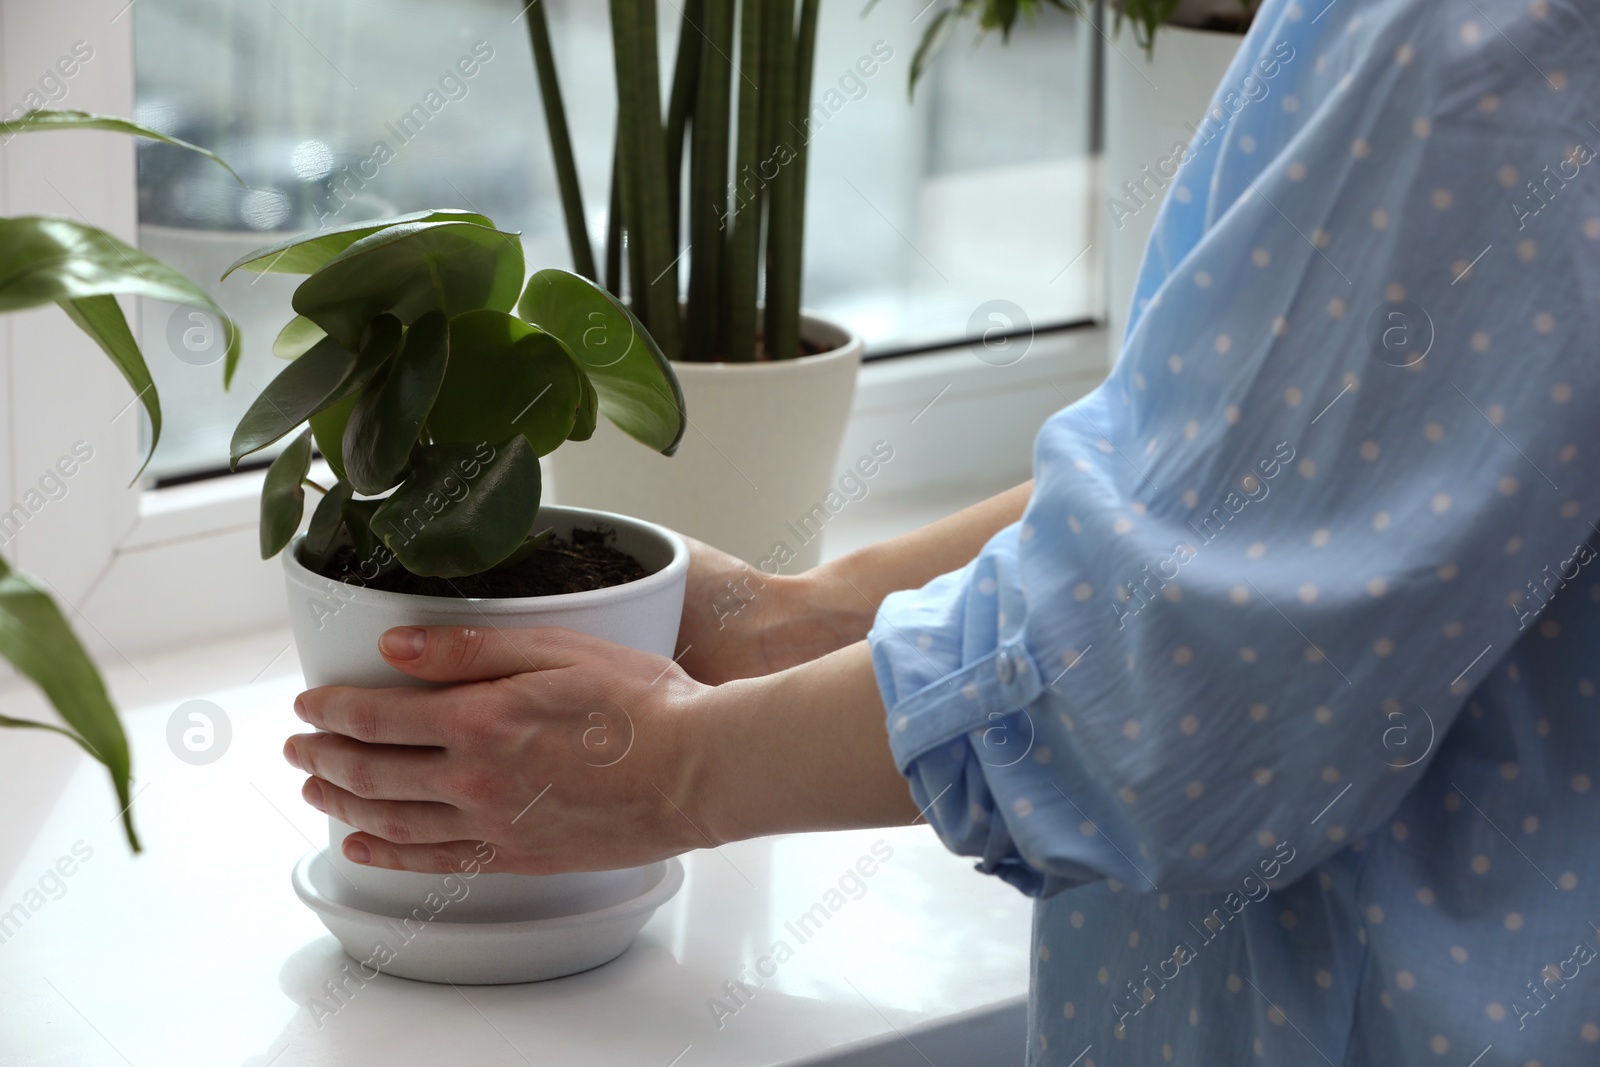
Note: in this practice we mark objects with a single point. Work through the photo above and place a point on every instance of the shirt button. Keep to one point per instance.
(1005, 667)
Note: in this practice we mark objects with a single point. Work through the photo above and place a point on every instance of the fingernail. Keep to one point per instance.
(357, 851)
(404, 642)
(312, 791)
(291, 755)
(300, 708)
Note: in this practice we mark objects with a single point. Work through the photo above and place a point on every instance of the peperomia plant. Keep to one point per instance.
(81, 269)
(432, 380)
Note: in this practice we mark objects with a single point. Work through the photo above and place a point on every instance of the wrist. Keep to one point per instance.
(805, 749)
(842, 596)
(714, 733)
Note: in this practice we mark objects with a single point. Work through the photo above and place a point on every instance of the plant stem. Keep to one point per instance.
(555, 119)
(313, 485)
(708, 185)
(740, 285)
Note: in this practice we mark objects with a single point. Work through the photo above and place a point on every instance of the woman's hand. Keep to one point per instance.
(564, 751)
(568, 753)
(739, 622)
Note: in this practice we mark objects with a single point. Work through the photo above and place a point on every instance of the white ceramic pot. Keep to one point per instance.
(755, 464)
(1150, 106)
(336, 627)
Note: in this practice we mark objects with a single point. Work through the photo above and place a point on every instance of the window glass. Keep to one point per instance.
(920, 213)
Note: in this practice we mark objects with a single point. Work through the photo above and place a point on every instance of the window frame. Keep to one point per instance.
(140, 569)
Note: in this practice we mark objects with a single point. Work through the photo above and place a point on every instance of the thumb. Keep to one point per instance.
(479, 654)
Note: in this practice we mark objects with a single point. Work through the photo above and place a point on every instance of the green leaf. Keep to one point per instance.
(504, 377)
(932, 42)
(462, 508)
(637, 389)
(327, 429)
(296, 339)
(326, 374)
(101, 318)
(325, 523)
(44, 120)
(526, 549)
(387, 418)
(358, 516)
(588, 412)
(52, 261)
(308, 252)
(300, 390)
(283, 497)
(410, 270)
(35, 637)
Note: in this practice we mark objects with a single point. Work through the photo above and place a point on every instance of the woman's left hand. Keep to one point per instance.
(563, 751)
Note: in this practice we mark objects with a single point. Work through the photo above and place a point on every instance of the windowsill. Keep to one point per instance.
(932, 950)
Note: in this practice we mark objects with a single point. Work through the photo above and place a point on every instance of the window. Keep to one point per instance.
(919, 215)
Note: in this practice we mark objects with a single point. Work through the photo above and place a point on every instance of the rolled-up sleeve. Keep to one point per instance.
(1346, 457)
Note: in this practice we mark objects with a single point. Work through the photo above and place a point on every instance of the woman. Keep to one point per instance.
(1296, 623)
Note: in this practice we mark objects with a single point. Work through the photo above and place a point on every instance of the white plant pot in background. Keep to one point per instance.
(756, 462)
(336, 628)
(1150, 104)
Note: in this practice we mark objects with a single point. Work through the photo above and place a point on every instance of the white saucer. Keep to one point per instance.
(483, 953)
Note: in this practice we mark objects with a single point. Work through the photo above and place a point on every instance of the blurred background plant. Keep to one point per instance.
(81, 269)
(1145, 16)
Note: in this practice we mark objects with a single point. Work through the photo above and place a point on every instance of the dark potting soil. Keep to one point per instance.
(586, 562)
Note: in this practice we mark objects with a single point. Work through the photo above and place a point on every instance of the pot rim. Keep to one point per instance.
(675, 568)
(851, 347)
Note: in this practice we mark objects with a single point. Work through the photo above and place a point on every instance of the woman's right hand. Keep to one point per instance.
(739, 622)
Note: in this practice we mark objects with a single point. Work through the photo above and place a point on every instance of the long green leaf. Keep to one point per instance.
(682, 104)
(101, 318)
(307, 252)
(462, 508)
(283, 496)
(781, 318)
(708, 185)
(638, 390)
(644, 165)
(786, 222)
(555, 121)
(410, 270)
(505, 378)
(387, 418)
(743, 270)
(52, 261)
(36, 639)
(45, 120)
(932, 42)
(613, 279)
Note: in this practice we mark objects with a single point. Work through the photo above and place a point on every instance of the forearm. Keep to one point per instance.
(851, 587)
(803, 749)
